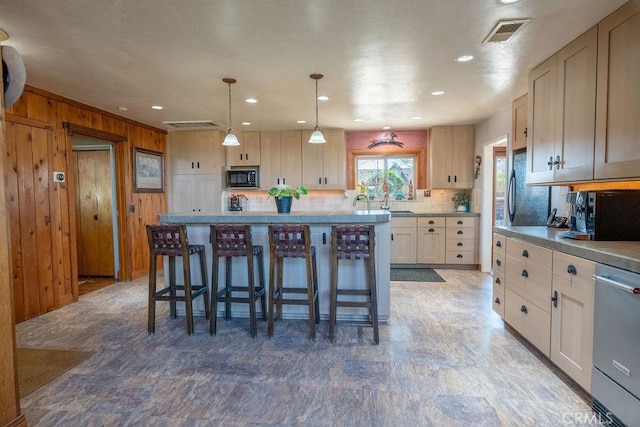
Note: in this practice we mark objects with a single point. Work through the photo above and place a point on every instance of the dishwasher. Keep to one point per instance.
(615, 381)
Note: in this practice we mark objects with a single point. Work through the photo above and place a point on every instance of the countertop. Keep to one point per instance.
(624, 255)
(301, 217)
(432, 214)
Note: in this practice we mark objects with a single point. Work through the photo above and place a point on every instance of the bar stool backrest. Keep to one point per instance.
(231, 240)
(290, 241)
(168, 239)
(353, 241)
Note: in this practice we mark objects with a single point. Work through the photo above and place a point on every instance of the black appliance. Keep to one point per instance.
(242, 178)
(528, 205)
(607, 214)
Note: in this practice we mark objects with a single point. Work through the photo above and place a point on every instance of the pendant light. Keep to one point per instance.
(317, 137)
(230, 140)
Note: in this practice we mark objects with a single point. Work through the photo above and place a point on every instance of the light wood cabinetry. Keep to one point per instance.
(195, 152)
(561, 109)
(519, 123)
(462, 240)
(498, 269)
(451, 157)
(247, 153)
(431, 240)
(572, 316)
(617, 146)
(324, 165)
(403, 240)
(196, 193)
(528, 292)
(281, 158)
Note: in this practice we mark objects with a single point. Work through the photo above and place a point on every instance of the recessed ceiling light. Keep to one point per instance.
(508, 1)
(251, 101)
(246, 123)
(323, 98)
(301, 122)
(386, 127)
(417, 118)
(464, 58)
(358, 120)
(121, 108)
(437, 92)
(157, 107)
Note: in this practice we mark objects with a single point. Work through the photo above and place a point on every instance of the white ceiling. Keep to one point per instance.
(381, 59)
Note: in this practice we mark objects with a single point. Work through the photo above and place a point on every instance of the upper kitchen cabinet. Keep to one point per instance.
(195, 152)
(451, 157)
(562, 99)
(617, 146)
(519, 123)
(281, 157)
(324, 164)
(247, 153)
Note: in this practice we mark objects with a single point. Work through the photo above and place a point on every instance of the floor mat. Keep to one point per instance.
(415, 275)
(36, 367)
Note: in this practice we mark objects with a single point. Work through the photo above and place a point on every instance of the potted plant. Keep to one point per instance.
(284, 195)
(461, 201)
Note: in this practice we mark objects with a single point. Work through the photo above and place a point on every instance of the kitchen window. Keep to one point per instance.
(398, 171)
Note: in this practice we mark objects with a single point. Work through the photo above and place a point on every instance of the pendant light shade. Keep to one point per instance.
(317, 137)
(230, 140)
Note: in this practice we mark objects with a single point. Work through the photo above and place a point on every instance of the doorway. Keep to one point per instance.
(96, 212)
(495, 151)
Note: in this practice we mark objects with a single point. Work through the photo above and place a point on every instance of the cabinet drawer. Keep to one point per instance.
(499, 262)
(403, 222)
(460, 233)
(533, 284)
(461, 245)
(430, 222)
(529, 254)
(461, 221)
(575, 270)
(460, 257)
(499, 244)
(498, 294)
(529, 320)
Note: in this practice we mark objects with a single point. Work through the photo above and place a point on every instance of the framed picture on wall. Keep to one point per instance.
(148, 171)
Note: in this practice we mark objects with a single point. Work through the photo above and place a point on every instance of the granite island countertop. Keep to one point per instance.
(270, 217)
(624, 255)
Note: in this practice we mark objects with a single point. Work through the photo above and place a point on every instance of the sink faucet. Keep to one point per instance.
(360, 197)
(385, 201)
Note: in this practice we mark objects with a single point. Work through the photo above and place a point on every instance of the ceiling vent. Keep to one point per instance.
(505, 30)
(192, 124)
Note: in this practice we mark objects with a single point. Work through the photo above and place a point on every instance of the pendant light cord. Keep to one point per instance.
(230, 127)
(317, 124)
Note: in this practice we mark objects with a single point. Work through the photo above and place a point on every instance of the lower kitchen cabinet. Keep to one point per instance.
(498, 268)
(196, 193)
(462, 240)
(531, 321)
(431, 240)
(572, 316)
(403, 240)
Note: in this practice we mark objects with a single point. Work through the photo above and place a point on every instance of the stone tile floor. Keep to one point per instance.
(444, 359)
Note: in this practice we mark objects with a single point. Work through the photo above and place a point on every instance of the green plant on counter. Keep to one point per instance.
(461, 198)
(285, 191)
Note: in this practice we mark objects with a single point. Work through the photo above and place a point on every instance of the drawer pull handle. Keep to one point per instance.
(499, 244)
(460, 222)
(459, 244)
(497, 301)
(525, 273)
(431, 230)
(324, 238)
(460, 232)
(554, 298)
(498, 281)
(525, 253)
(498, 262)
(524, 309)
(571, 269)
(459, 256)
(431, 221)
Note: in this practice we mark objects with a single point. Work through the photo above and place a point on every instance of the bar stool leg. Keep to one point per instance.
(227, 294)
(186, 268)
(263, 298)
(371, 279)
(203, 274)
(316, 296)
(151, 320)
(333, 303)
(310, 296)
(213, 317)
(172, 287)
(272, 294)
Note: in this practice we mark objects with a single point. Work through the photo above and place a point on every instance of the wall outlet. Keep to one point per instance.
(58, 177)
(427, 193)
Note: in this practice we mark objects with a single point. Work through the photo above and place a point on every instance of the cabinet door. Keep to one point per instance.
(312, 163)
(403, 245)
(290, 158)
(270, 158)
(541, 109)
(519, 123)
(247, 153)
(462, 157)
(576, 108)
(196, 193)
(333, 159)
(431, 245)
(617, 153)
(440, 156)
(195, 152)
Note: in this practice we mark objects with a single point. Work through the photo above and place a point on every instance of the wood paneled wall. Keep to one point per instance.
(42, 213)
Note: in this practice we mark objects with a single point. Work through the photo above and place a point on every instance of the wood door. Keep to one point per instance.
(519, 123)
(617, 153)
(28, 205)
(94, 219)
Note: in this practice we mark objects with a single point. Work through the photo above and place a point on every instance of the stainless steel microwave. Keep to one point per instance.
(243, 178)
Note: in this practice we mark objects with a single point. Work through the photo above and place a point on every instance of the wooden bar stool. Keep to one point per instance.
(292, 241)
(171, 241)
(354, 242)
(230, 241)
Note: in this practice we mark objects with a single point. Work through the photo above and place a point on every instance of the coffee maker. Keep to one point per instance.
(235, 201)
(578, 216)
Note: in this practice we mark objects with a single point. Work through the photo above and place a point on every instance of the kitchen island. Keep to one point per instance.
(351, 273)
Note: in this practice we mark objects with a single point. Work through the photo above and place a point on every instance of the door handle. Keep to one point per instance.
(524, 309)
(554, 298)
(497, 301)
(95, 217)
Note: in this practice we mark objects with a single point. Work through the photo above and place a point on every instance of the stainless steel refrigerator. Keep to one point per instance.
(527, 205)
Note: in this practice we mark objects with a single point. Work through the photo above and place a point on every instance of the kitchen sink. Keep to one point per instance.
(401, 212)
